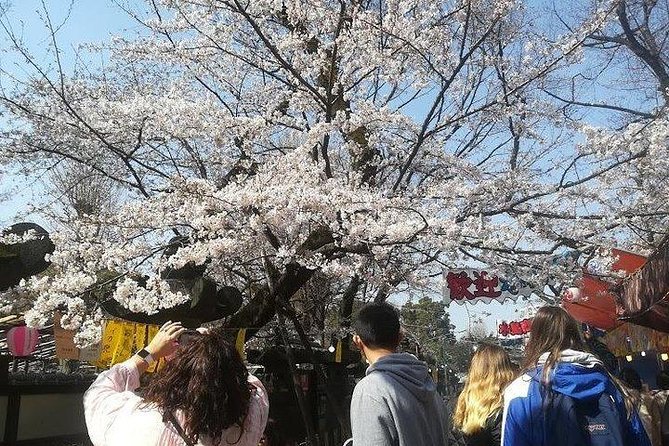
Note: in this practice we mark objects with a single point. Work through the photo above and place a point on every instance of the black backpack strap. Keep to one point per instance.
(172, 419)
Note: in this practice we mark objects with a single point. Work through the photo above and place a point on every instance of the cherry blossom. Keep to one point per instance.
(373, 144)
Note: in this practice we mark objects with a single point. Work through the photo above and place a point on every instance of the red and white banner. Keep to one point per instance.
(472, 285)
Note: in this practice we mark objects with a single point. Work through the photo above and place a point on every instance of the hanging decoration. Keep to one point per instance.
(338, 352)
(64, 340)
(22, 340)
(241, 340)
(121, 339)
(574, 295)
(90, 354)
(471, 285)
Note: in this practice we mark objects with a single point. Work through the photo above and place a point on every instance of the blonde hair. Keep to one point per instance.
(490, 372)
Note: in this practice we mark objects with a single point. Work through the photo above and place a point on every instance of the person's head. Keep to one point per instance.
(663, 380)
(208, 382)
(377, 328)
(631, 378)
(553, 330)
(490, 372)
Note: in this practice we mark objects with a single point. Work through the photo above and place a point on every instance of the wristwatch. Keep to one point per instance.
(145, 355)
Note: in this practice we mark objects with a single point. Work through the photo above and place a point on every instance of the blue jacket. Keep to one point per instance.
(535, 415)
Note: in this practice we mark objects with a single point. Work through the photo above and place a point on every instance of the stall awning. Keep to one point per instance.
(643, 298)
(599, 306)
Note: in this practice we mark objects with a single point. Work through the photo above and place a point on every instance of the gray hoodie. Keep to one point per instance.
(397, 404)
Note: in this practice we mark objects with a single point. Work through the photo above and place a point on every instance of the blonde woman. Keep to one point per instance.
(478, 414)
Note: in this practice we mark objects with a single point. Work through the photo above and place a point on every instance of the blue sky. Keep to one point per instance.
(89, 21)
(95, 21)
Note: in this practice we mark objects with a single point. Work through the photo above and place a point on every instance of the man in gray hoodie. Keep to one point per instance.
(396, 403)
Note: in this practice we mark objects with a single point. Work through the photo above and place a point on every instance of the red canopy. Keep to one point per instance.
(599, 309)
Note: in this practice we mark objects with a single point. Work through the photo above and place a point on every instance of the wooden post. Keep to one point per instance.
(12, 419)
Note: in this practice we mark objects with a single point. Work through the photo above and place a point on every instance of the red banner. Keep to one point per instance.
(516, 328)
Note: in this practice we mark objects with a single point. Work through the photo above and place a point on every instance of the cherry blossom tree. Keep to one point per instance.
(373, 143)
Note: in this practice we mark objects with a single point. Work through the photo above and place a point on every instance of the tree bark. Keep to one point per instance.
(262, 307)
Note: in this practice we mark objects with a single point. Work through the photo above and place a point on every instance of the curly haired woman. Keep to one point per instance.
(204, 396)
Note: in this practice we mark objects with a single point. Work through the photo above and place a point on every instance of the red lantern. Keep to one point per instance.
(22, 340)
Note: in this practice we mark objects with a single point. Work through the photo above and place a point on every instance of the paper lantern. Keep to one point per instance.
(574, 295)
(22, 341)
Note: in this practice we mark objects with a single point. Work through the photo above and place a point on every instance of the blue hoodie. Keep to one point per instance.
(537, 417)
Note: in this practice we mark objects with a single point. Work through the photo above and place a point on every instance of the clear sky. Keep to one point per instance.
(87, 21)
(95, 21)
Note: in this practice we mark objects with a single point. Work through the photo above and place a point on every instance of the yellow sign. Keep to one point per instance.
(121, 339)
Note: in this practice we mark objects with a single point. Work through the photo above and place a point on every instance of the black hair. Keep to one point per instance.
(378, 325)
(631, 378)
(663, 380)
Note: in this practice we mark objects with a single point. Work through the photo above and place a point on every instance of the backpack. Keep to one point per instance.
(596, 422)
(601, 421)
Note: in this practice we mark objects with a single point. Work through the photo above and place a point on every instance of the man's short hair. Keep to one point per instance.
(378, 325)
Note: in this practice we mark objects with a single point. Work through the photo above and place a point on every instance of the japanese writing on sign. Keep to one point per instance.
(64, 341)
(516, 328)
(469, 285)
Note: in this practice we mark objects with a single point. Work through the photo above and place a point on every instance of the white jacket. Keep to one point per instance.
(114, 416)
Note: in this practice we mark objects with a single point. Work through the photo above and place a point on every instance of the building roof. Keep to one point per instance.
(643, 297)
